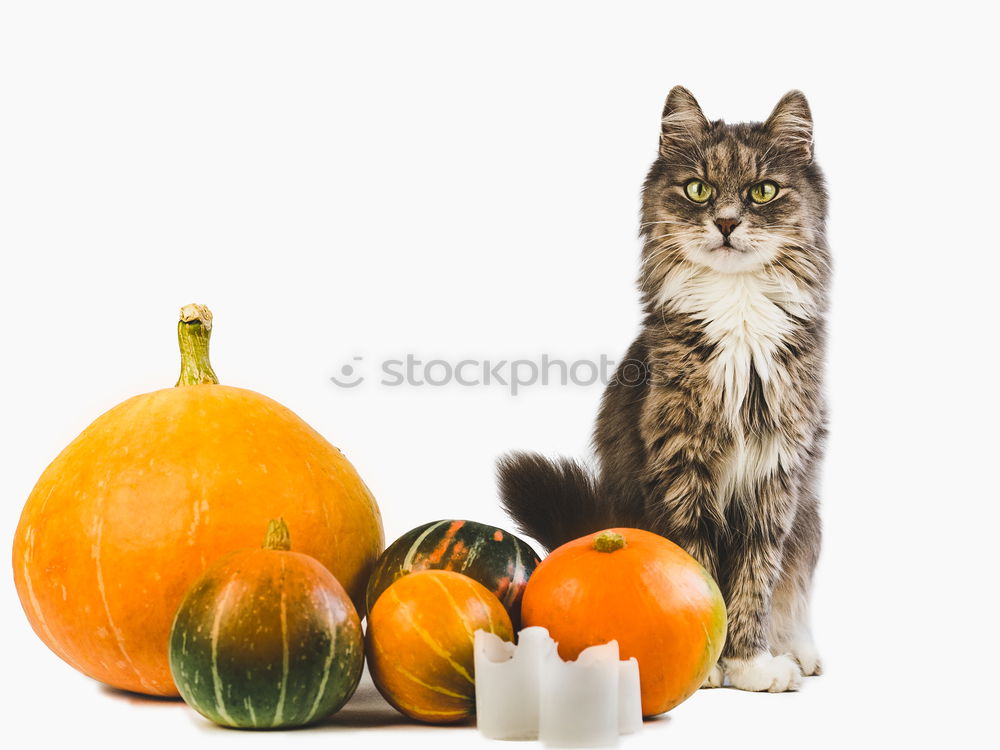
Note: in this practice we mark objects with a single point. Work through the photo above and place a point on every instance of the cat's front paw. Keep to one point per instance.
(807, 656)
(775, 674)
(715, 677)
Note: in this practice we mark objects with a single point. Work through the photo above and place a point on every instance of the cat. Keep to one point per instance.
(712, 429)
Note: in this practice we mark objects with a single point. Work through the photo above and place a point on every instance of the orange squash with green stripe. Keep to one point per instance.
(500, 561)
(420, 643)
(266, 638)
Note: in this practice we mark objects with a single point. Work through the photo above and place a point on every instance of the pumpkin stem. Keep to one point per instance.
(193, 332)
(608, 541)
(277, 536)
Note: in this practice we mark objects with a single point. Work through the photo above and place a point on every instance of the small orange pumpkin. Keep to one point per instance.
(134, 510)
(642, 590)
(419, 643)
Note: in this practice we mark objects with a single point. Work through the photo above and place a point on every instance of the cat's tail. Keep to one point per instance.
(552, 501)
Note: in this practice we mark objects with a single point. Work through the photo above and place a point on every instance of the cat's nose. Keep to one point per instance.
(726, 226)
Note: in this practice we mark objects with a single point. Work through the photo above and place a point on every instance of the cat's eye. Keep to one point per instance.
(764, 192)
(698, 191)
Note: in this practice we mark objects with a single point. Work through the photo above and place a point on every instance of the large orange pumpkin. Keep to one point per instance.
(642, 590)
(419, 643)
(132, 512)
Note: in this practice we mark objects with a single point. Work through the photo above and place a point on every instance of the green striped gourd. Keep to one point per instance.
(267, 638)
(496, 558)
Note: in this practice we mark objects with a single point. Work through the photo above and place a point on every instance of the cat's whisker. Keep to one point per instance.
(673, 241)
(663, 254)
(670, 221)
(800, 243)
(674, 253)
(813, 259)
(675, 235)
(666, 252)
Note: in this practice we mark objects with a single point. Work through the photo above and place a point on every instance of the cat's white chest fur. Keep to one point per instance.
(747, 317)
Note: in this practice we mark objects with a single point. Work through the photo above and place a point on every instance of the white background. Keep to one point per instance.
(456, 181)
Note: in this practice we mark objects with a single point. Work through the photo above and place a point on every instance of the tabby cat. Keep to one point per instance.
(712, 429)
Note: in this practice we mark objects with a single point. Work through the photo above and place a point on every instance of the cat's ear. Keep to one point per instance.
(683, 122)
(791, 126)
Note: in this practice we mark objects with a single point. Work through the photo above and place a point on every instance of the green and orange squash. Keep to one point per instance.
(266, 638)
(132, 512)
(500, 561)
(419, 643)
(642, 590)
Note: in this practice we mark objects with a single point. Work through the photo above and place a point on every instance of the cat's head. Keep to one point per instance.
(734, 198)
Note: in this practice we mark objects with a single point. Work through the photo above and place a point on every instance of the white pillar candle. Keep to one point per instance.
(508, 681)
(526, 691)
(580, 699)
(629, 697)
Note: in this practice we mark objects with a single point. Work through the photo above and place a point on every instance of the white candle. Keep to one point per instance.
(629, 697)
(526, 691)
(580, 699)
(508, 681)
